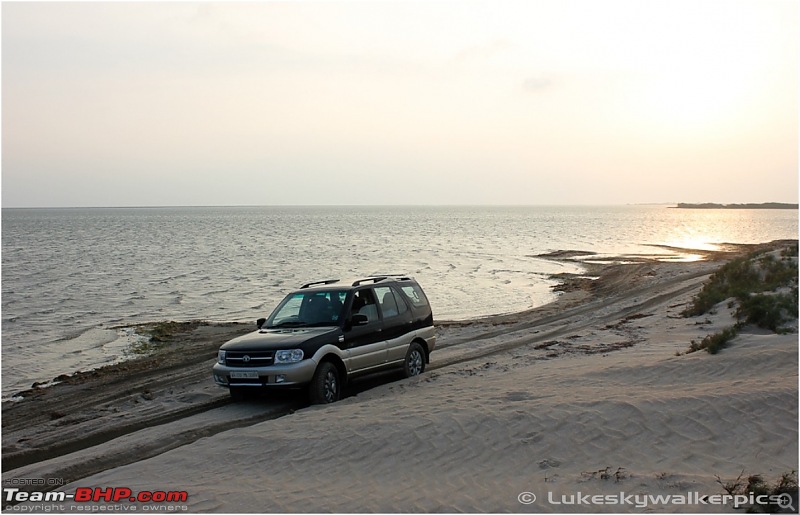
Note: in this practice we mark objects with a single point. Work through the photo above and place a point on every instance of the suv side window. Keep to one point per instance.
(391, 306)
(414, 294)
(364, 304)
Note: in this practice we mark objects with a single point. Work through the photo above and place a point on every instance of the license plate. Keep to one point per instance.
(246, 374)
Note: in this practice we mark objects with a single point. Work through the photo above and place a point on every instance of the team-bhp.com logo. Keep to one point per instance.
(13, 496)
(122, 494)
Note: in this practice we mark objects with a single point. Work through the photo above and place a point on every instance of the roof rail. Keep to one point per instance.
(328, 281)
(393, 276)
(379, 278)
(367, 279)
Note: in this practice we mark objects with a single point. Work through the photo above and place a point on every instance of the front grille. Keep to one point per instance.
(249, 359)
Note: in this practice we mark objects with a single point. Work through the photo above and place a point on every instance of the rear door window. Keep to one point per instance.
(391, 306)
(414, 294)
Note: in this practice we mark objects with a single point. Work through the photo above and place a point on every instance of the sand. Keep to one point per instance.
(593, 395)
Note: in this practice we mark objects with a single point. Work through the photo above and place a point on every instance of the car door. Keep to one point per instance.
(365, 345)
(397, 318)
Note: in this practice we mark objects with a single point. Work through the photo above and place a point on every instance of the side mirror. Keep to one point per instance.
(359, 319)
(260, 322)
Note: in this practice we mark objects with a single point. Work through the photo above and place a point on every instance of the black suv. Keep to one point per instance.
(325, 333)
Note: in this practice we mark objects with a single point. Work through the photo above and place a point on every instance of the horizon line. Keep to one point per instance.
(175, 206)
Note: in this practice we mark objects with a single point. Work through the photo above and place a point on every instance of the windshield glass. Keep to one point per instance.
(309, 309)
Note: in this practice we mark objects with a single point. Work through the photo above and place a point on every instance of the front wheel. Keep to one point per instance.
(325, 387)
(415, 361)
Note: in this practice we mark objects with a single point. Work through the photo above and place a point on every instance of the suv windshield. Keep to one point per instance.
(309, 309)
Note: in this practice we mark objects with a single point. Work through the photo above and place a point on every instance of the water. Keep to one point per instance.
(71, 277)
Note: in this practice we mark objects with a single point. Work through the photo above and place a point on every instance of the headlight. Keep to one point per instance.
(221, 357)
(288, 356)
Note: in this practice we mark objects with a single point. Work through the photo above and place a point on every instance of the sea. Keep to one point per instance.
(76, 282)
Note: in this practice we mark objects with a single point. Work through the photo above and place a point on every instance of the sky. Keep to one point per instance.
(534, 102)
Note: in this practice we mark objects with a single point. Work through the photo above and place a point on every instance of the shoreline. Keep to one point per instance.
(610, 342)
(573, 289)
(486, 270)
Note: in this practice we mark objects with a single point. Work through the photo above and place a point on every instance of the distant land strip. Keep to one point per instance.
(764, 205)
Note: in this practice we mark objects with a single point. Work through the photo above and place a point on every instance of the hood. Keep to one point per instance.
(269, 339)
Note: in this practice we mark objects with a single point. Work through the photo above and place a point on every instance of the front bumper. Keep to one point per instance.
(296, 374)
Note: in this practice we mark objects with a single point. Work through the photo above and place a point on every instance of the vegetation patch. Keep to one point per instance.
(768, 311)
(140, 347)
(163, 331)
(714, 342)
(780, 494)
(762, 285)
(745, 276)
(606, 474)
(156, 335)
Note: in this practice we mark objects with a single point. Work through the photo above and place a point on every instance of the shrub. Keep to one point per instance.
(714, 342)
(735, 278)
(746, 279)
(789, 252)
(767, 311)
(756, 485)
(786, 485)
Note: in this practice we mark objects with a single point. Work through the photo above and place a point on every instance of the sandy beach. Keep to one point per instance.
(587, 404)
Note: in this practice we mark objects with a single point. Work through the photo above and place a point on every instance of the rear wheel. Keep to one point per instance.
(325, 387)
(415, 360)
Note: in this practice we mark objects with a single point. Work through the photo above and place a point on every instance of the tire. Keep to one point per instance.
(325, 387)
(414, 363)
